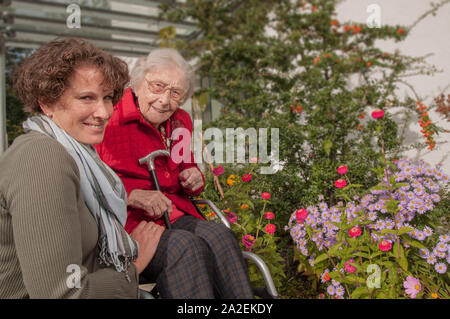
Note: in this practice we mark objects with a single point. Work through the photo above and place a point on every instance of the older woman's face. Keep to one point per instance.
(85, 107)
(160, 94)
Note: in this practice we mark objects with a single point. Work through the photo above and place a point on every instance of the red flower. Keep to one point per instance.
(349, 267)
(269, 215)
(342, 170)
(248, 241)
(400, 31)
(246, 177)
(300, 215)
(265, 195)
(218, 170)
(377, 114)
(384, 245)
(355, 232)
(340, 183)
(231, 217)
(270, 229)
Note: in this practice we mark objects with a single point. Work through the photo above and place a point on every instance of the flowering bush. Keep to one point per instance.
(246, 207)
(380, 243)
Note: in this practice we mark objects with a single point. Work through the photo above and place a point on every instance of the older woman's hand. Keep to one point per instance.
(191, 179)
(153, 202)
(147, 235)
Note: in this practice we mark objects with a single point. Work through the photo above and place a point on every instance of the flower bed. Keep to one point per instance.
(380, 244)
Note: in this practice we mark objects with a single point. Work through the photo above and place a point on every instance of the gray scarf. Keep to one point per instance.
(103, 192)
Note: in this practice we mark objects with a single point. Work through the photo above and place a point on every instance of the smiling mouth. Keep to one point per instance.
(95, 126)
(158, 110)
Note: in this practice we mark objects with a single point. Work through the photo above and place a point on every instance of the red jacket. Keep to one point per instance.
(128, 137)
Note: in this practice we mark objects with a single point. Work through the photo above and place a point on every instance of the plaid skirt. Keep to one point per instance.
(199, 259)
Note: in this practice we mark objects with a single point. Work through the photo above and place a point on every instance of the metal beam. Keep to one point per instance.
(101, 13)
(3, 133)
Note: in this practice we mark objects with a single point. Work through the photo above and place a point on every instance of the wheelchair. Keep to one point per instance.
(267, 292)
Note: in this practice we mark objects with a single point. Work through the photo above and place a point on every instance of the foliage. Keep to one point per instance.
(14, 113)
(292, 65)
(246, 207)
(375, 243)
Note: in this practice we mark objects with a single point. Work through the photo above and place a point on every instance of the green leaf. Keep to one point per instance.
(388, 231)
(332, 252)
(320, 259)
(359, 292)
(402, 261)
(413, 242)
(327, 145)
(405, 230)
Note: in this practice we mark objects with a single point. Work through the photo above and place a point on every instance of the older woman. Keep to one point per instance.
(195, 258)
(62, 209)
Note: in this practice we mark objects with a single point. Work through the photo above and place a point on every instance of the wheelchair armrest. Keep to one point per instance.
(270, 286)
(145, 294)
(216, 210)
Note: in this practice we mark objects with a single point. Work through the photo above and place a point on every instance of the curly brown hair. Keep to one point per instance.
(45, 75)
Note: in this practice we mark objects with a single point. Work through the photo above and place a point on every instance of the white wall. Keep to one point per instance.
(431, 35)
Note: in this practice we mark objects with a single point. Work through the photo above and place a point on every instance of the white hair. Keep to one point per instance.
(164, 57)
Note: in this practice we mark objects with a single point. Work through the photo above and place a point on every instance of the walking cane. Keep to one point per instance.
(150, 159)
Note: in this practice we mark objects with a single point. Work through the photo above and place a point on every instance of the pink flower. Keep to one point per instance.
(377, 114)
(248, 241)
(218, 170)
(246, 177)
(269, 215)
(254, 160)
(265, 195)
(231, 217)
(384, 245)
(355, 231)
(270, 229)
(342, 170)
(340, 183)
(349, 267)
(300, 215)
(412, 286)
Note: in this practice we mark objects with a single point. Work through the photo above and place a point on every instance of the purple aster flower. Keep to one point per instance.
(331, 290)
(339, 291)
(419, 190)
(441, 268)
(410, 195)
(388, 223)
(428, 231)
(431, 259)
(335, 283)
(420, 236)
(444, 238)
(442, 246)
(424, 253)
(435, 198)
(323, 206)
(439, 254)
(372, 216)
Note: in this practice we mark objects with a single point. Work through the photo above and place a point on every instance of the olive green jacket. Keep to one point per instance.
(48, 237)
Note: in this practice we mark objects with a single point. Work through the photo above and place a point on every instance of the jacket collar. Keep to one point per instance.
(128, 110)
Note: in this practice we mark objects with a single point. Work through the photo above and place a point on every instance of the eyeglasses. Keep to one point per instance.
(157, 87)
